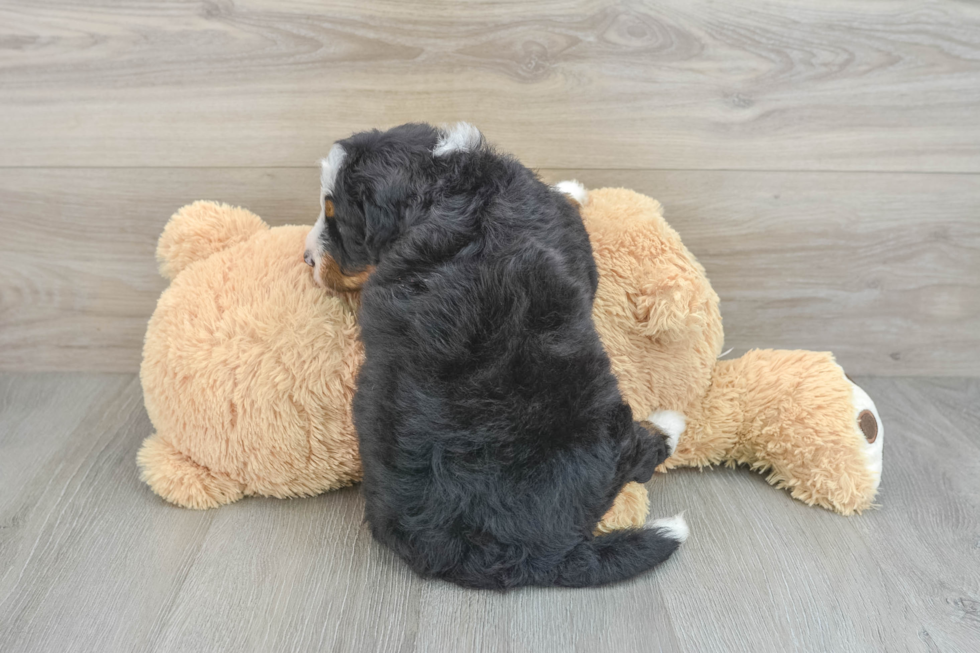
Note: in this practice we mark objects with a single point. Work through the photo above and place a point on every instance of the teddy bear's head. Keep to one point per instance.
(248, 365)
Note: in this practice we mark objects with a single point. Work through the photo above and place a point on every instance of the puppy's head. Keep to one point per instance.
(372, 186)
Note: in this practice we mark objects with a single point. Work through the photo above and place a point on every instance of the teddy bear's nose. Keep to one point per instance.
(308, 257)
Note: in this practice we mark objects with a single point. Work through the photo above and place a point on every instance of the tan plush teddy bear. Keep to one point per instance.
(793, 415)
(249, 368)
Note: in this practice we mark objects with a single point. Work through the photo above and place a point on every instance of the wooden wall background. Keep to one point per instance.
(821, 159)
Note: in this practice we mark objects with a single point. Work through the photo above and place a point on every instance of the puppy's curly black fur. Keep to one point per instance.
(492, 431)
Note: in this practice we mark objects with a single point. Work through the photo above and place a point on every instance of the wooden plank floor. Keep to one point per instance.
(91, 560)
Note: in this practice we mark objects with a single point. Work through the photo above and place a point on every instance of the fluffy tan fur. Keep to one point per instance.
(788, 414)
(249, 367)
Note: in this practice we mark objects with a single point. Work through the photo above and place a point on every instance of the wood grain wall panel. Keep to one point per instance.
(690, 84)
(882, 269)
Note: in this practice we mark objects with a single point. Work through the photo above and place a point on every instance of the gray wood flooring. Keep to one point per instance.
(91, 560)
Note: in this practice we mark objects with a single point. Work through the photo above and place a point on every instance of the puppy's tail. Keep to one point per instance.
(622, 554)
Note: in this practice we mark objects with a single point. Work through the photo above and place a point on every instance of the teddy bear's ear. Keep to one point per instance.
(659, 285)
(198, 230)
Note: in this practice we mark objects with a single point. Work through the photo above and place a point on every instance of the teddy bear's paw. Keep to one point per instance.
(673, 527)
(574, 190)
(671, 423)
(181, 481)
(868, 425)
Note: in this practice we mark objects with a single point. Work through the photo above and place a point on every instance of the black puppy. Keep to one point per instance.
(492, 431)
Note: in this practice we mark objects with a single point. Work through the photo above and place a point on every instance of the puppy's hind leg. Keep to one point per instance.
(656, 440)
(669, 422)
(647, 452)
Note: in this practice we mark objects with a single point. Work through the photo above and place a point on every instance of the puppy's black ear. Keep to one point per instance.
(380, 229)
(383, 218)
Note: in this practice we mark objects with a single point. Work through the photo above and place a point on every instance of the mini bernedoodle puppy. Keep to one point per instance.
(492, 431)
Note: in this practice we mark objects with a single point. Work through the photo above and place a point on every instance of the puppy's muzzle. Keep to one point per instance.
(308, 257)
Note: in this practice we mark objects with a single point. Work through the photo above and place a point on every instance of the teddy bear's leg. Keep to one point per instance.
(180, 480)
(828, 452)
(811, 429)
(796, 417)
(711, 430)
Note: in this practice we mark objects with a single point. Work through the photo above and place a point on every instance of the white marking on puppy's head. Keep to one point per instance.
(573, 189)
(461, 137)
(314, 249)
(673, 527)
(329, 167)
(313, 254)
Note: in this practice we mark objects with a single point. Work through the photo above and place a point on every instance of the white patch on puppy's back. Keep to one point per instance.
(329, 167)
(573, 189)
(461, 137)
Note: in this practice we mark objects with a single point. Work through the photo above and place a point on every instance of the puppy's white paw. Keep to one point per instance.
(671, 423)
(573, 189)
(673, 527)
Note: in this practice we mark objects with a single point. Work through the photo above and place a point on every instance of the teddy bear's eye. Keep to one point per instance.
(327, 208)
